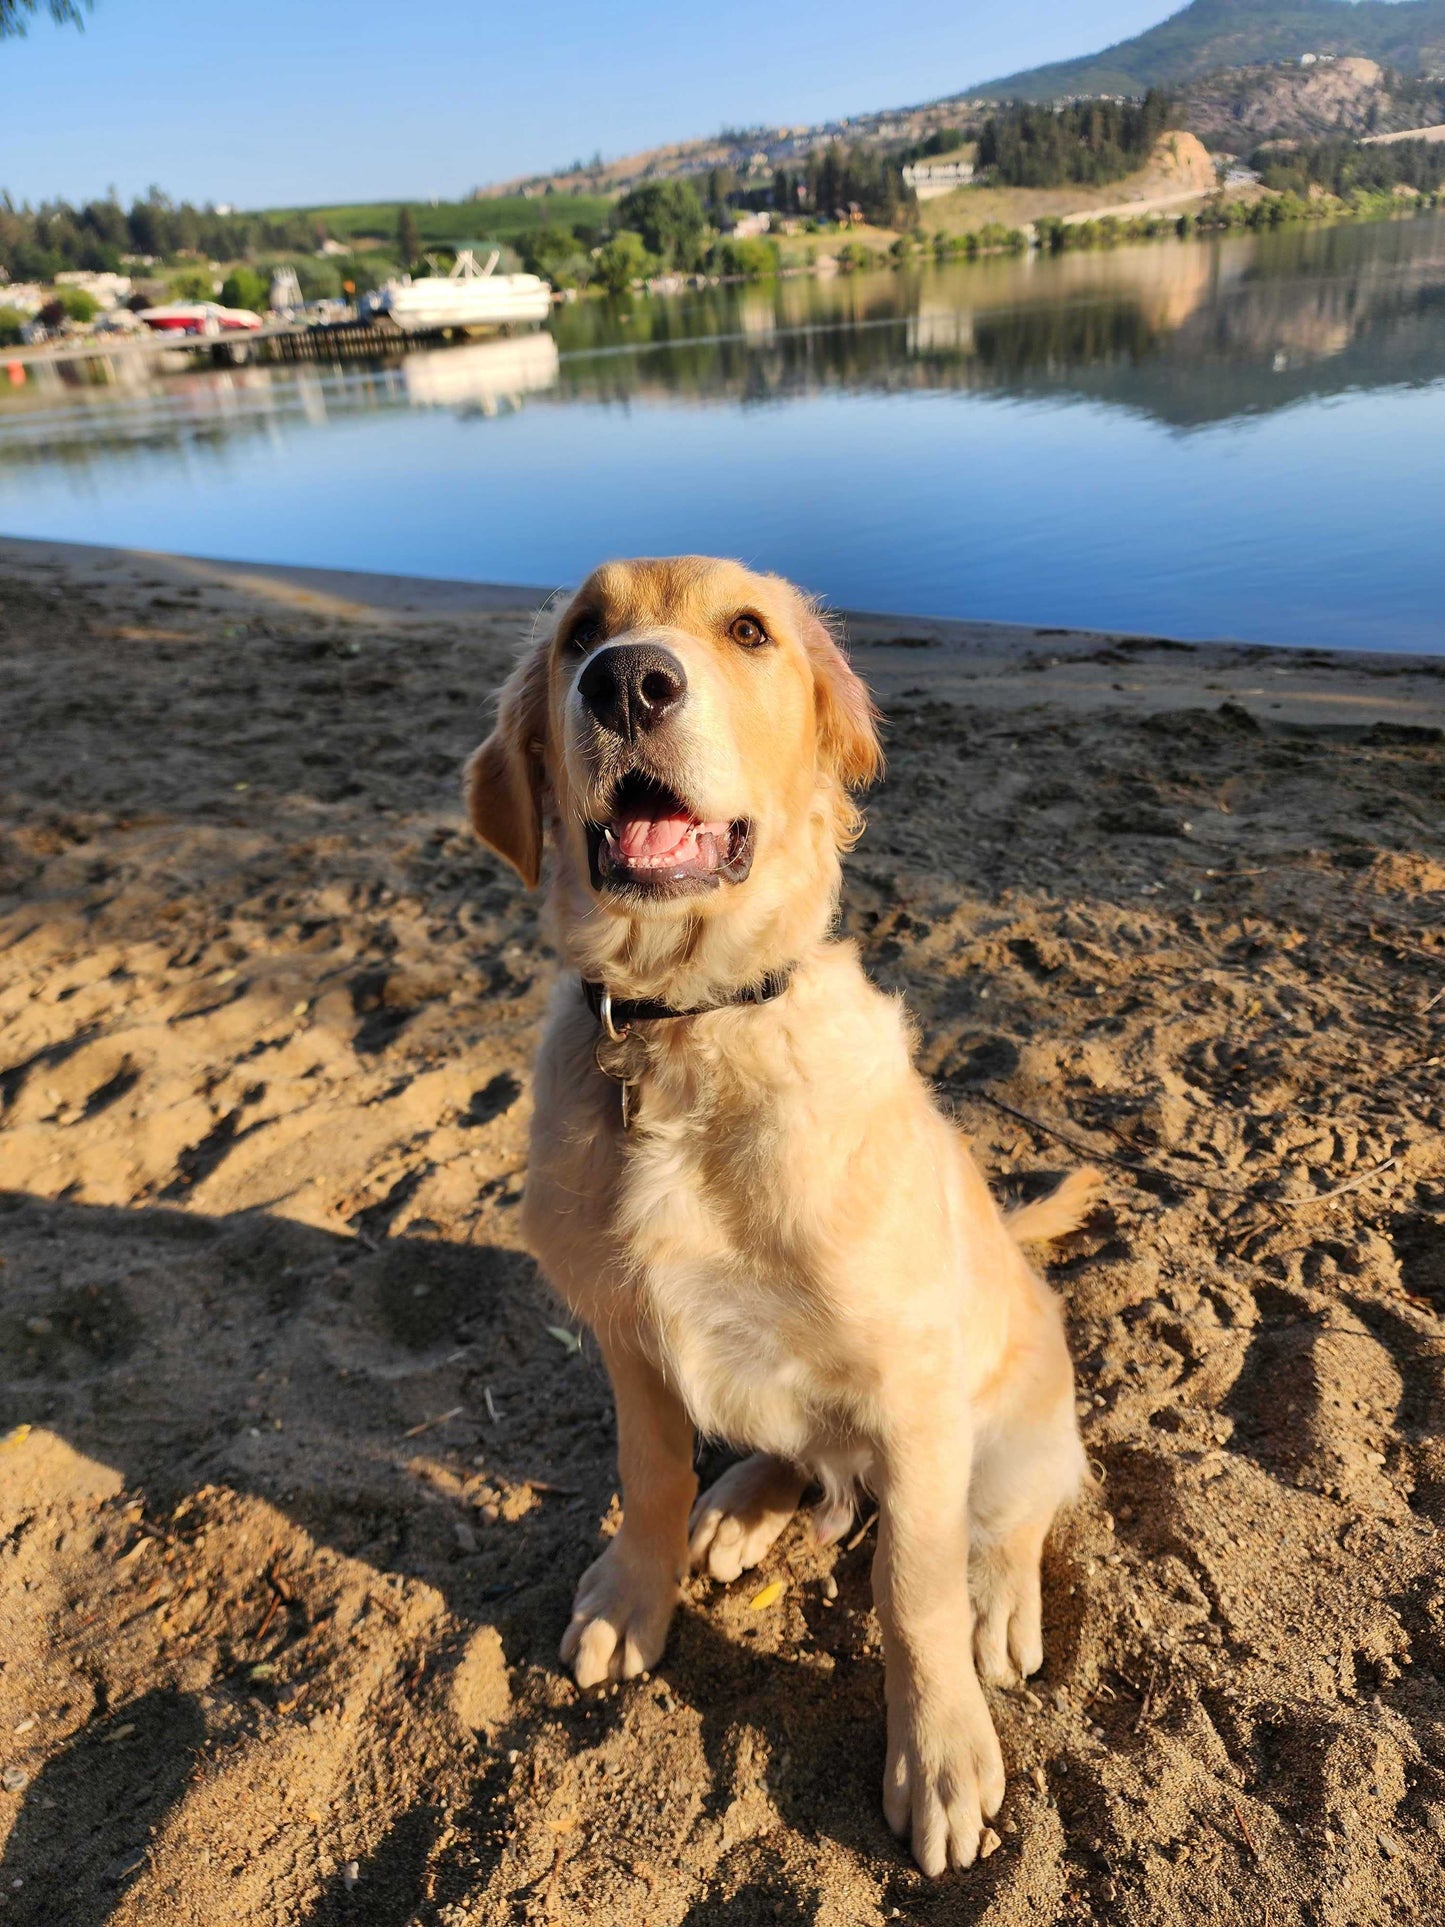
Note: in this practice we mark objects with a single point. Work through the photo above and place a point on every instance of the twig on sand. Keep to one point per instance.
(1350, 1184)
(1147, 1702)
(1244, 1829)
(427, 1423)
(862, 1533)
(280, 1595)
(266, 1618)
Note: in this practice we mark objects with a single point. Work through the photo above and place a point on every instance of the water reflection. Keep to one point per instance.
(92, 411)
(1166, 438)
(482, 378)
(1188, 333)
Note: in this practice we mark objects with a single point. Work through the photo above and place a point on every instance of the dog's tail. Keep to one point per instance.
(1063, 1210)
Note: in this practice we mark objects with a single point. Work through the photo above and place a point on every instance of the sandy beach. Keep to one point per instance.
(299, 1465)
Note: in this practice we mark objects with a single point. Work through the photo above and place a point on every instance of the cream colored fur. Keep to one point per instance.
(792, 1248)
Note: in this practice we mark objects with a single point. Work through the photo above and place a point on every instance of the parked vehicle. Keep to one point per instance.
(328, 310)
(117, 321)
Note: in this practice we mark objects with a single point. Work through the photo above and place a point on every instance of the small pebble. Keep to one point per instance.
(351, 1873)
(988, 1842)
(14, 1779)
(830, 1588)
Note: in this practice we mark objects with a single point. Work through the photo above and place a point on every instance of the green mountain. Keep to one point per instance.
(1408, 35)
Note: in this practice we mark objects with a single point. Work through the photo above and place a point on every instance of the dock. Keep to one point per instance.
(340, 341)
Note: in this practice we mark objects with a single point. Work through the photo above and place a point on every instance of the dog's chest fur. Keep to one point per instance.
(754, 1174)
(703, 1215)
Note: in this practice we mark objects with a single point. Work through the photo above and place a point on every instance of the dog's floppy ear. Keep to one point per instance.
(505, 777)
(847, 719)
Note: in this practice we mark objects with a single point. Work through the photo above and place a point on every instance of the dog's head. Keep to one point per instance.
(691, 733)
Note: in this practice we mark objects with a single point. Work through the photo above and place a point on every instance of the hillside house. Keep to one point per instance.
(929, 179)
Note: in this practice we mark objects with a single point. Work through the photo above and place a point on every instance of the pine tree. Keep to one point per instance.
(64, 12)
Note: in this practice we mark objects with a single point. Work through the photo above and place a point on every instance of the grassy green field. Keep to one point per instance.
(445, 222)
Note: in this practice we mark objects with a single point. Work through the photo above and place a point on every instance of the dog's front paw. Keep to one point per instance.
(735, 1521)
(943, 1779)
(620, 1616)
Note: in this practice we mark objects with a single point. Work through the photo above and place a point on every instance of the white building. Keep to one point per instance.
(25, 297)
(108, 289)
(929, 179)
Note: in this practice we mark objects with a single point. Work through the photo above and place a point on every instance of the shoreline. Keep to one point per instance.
(1202, 214)
(1006, 662)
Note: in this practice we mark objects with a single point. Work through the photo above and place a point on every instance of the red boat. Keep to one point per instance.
(200, 318)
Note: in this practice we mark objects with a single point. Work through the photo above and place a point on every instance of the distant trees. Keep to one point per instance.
(623, 260)
(320, 280)
(78, 305)
(66, 13)
(244, 288)
(755, 258)
(1345, 167)
(721, 184)
(559, 254)
(408, 241)
(669, 217)
(947, 140)
(37, 243)
(1088, 141)
(193, 284)
(838, 179)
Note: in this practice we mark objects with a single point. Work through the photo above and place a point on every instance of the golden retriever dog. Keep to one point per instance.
(741, 1183)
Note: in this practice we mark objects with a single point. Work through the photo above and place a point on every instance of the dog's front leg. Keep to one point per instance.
(626, 1597)
(944, 1775)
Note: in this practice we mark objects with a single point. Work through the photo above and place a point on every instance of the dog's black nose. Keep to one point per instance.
(632, 686)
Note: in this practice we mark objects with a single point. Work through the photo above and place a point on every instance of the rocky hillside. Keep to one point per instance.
(1235, 63)
(1210, 35)
(1354, 96)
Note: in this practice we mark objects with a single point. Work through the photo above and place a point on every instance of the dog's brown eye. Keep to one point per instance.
(584, 632)
(748, 631)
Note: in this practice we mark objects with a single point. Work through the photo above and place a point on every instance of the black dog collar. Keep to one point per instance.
(619, 1014)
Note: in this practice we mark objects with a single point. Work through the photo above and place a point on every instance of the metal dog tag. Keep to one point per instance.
(623, 1058)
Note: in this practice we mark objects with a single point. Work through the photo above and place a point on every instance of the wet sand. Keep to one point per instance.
(288, 1543)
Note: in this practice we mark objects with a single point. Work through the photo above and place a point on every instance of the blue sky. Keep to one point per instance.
(306, 101)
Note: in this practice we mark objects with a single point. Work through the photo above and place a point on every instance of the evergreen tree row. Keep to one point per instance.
(38, 243)
(1345, 167)
(1085, 142)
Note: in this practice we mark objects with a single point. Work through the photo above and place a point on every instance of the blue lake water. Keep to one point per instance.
(1238, 438)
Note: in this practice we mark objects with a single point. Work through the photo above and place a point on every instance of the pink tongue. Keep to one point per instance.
(639, 837)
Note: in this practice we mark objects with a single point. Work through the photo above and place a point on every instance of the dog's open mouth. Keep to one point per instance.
(653, 844)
